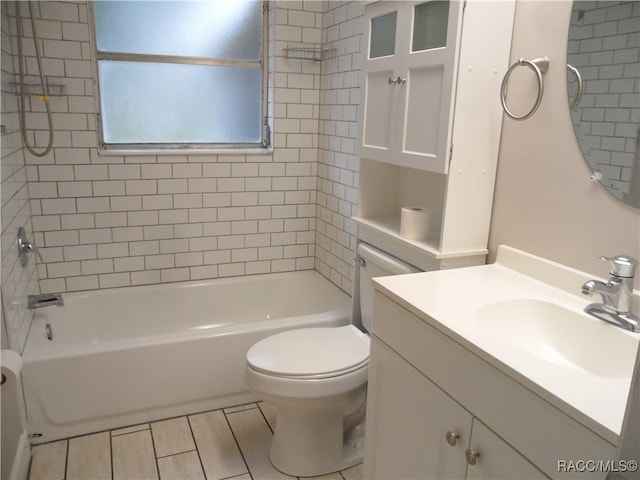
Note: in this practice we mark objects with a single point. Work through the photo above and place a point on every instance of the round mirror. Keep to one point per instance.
(603, 77)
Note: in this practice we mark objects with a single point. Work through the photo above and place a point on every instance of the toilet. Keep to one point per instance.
(317, 379)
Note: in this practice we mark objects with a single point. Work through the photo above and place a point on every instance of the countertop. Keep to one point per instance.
(448, 300)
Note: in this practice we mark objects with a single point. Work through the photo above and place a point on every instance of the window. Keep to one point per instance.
(181, 74)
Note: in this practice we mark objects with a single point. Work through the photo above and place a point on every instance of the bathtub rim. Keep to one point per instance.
(38, 347)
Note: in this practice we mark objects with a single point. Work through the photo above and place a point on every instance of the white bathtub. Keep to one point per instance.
(132, 355)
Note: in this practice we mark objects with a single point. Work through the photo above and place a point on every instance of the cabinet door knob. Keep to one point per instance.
(452, 438)
(401, 80)
(392, 81)
(471, 456)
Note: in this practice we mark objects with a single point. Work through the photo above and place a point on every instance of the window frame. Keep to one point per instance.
(264, 146)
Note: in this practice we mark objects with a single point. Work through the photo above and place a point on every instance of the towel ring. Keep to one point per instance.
(539, 66)
(578, 97)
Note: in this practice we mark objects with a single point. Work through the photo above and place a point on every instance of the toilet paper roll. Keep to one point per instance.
(415, 222)
(11, 365)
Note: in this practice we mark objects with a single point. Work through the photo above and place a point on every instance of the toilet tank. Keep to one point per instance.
(376, 263)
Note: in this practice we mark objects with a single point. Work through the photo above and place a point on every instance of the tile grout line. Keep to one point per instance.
(111, 455)
(179, 453)
(235, 439)
(195, 443)
(153, 446)
(113, 434)
(66, 460)
(265, 419)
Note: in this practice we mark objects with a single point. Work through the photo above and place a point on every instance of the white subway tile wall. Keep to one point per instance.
(17, 281)
(338, 163)
(118, 220)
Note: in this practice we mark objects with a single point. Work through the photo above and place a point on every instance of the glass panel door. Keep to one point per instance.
(383, 35)
(430, 25)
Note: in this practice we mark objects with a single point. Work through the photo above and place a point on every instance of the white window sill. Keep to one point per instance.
(186, 151)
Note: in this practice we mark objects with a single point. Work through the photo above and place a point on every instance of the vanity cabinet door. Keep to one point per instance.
(496, 459)
(411, 423)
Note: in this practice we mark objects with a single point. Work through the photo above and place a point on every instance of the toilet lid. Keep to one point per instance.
(311, 352)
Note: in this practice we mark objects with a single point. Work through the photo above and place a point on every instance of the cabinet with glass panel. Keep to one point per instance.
(408, 82)
(431, 118)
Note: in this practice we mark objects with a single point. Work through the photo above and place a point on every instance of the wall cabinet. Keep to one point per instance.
(432, 403)
(431, 119)
(408, 82)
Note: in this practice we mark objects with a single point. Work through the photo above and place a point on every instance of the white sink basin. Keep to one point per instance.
(561, 336)
(525, 316)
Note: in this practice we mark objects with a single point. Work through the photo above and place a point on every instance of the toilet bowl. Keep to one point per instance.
(313, 397)
(316, 378)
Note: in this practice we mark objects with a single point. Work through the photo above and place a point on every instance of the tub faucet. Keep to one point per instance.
(45, 300)
(616, 294)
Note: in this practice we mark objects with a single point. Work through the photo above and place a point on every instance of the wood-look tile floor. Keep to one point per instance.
(232, 443)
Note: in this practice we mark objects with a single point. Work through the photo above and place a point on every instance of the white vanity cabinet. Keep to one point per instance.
(408, 420)
(426, 390)
(496, 459)
(430, 122)
(415, 430)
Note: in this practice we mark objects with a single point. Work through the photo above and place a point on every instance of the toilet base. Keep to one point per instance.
(311, 445)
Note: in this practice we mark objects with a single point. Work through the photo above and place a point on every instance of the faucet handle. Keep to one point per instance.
(621, 265)
(25, 247)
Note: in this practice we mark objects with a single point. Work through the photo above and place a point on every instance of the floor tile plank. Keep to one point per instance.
(254, 437)
(192, 447)
(270, 413)
(328, 476)
(133, 457)
(217, 447)
(353, 473)
(133, 428)
(184, 466)
(239, 408)
(49, 461)
(90, 457)
(172, 436)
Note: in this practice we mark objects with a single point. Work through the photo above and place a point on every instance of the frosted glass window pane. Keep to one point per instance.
(383, 35)
(230, 29)
(177, 103)
(430, 25)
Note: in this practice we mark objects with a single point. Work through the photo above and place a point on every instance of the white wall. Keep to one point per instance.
(544, 202)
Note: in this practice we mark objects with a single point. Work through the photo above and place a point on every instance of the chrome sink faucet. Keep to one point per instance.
(616, 294)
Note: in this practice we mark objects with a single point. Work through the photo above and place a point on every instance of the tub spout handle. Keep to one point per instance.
(45, 300)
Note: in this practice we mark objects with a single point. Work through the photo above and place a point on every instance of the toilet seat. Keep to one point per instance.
(311, 353)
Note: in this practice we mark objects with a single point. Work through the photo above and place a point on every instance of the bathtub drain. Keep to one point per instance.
(49, 331)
